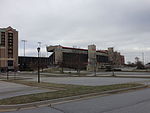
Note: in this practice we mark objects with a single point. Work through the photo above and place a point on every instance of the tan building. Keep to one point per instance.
(8, 49)
(115, 57)
(91, 58)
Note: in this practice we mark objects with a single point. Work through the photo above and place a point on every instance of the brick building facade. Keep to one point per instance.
(8, 49)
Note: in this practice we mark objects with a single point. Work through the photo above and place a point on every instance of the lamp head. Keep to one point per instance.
(38, 49)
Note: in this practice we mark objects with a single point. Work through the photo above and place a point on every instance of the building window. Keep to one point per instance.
(10, 62)
(10, 51)
(10, 56)
(10, 45)
(10, 40)
(2, 39)
(10, 34)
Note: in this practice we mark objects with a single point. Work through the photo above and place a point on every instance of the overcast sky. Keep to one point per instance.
(122, 24)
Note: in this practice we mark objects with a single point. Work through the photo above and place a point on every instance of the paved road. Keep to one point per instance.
(119, 73)
(89, 81)
(126, 73)
(129, 102)
(94, 81)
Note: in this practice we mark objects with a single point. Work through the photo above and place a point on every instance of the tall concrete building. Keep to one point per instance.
(8, 49)
(91, 57)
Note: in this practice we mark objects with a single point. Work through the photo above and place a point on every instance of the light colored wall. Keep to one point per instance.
(91, 58)
(58, 55)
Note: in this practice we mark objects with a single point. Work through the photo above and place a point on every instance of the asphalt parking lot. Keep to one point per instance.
(89, 81)
(121, 77)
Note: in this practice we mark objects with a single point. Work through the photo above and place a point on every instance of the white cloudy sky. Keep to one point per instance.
(122, 24)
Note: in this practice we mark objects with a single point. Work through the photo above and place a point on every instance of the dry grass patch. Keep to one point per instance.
(68, 90)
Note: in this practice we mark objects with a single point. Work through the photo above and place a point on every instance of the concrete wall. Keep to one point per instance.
(58, 55)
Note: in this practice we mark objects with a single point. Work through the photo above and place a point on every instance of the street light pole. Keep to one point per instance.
(7, 74)
(24, 41)
(38, 49)
(95, 67)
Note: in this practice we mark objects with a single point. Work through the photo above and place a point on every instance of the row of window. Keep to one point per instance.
(10, 39)
(10, 45)
(2, 38)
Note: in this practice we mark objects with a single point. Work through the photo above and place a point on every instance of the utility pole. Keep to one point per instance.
(95, 66)
(24, 42)
(38, 49)
(7, 74)
(143, 57)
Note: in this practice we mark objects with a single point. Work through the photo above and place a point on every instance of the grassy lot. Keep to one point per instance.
(62, 91)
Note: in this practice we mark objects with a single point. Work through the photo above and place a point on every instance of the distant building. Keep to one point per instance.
(8, 49)
(147, 66)
(27, 63)
(89, 59)
(115, 57)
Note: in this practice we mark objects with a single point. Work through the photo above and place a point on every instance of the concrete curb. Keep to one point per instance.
(51, 102)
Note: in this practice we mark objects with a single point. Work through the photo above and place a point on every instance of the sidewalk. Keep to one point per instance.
(8, 89)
